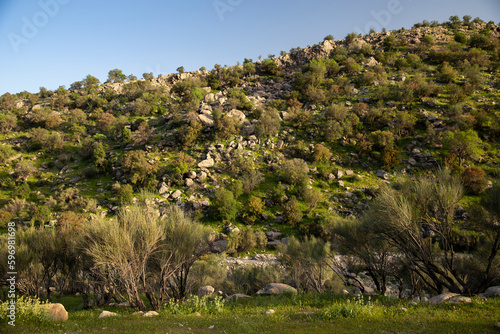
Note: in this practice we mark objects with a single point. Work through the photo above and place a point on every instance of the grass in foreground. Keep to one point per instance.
(308, 313)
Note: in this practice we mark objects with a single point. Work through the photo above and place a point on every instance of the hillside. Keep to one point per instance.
(280, 144)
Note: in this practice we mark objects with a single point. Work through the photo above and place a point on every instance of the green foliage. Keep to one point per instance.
(464, 145)
(140, 170)
(269, 67)
(116, 75)
(292, 213)
(194, 304)
(295, 171)
(475, 180)
(224, 204)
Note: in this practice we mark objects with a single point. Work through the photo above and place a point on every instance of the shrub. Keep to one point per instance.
(139, 169)
(269, 124)
(291, 211)
(269, 67)
(6, 152)
(474, 179)
(321, 153)
(295, 171)
(224, 204)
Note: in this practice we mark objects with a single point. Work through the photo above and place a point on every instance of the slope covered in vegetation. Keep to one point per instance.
(290, 144)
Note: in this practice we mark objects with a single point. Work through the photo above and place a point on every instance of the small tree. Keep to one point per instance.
(116, 75)
(464, 145)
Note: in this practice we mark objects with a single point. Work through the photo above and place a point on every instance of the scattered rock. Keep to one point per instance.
(207, 163)
(56, 312)
(163, 188)
(383, 175)
(492, 291)
(442, 298)
(151, 314)
(189, 182)
(277, 289)
(270, 311)
(124, 304)
(460, 300)
(106, 314)
(176, 194)
(205, 291)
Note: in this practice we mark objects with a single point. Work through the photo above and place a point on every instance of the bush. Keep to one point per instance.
(140, 170)
(291, 212)
(224, 204)
(295, 171)
(321, 153)
(475, 180)
(269, 67)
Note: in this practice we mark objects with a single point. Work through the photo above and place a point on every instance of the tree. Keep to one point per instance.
(417, 217)
(307, 263)
(116, 75)
(90, 83)
(464, 145)
(180, 69)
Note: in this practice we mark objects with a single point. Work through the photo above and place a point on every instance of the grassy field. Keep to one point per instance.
(293, 314)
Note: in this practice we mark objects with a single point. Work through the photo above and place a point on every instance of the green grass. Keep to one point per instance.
(308, 313)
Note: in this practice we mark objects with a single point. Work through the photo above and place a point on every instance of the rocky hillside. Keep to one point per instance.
(282, 144)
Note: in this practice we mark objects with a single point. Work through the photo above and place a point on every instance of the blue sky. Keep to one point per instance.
(56, 42)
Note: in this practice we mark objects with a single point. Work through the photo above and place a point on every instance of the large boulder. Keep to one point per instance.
(277, 289)
(492, 291)
(207, 163)
(206, 120)
(56, 312)
(238, 115)
(205, 290)
(442, 297)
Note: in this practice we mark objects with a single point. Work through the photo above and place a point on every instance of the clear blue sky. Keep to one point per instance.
(56, 42)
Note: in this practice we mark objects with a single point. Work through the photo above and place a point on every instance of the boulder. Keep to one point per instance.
(460, 300)
(151, 314)
(189, 182)
(207, 163)
(176, 194)
(238, 115)
(205, 290)
(56, 312)
(201, 176)
(107, 314)
(219, 246)
(206, 120)
(383, 175)
(442, 298)
(236, 296)
(270, 311)
(339, 173)
(163, 188)
(277, 289)
(492, 291)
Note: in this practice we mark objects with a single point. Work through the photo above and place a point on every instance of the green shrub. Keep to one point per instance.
(28, 310)
(294, 171)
